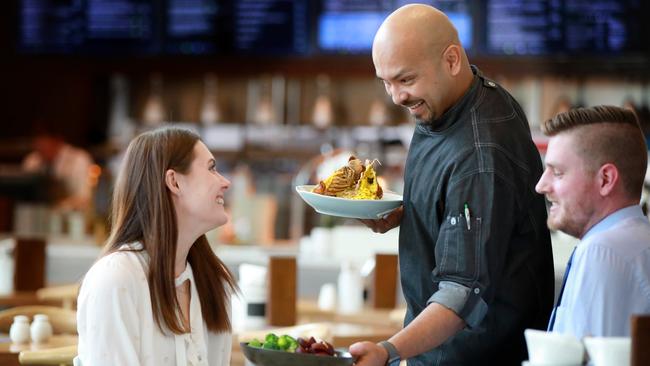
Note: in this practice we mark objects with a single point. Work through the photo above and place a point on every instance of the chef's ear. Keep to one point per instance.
(171, 181)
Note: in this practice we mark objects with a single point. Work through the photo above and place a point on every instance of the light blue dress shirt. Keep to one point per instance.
(609, 278)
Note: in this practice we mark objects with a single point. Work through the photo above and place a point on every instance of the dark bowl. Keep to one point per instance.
(269, 357)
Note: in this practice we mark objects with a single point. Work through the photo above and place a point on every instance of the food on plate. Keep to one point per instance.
(311, 345)
(272, 341)
(289, 344)
(355, 180)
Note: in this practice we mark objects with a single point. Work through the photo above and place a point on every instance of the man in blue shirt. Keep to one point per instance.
(595, 166)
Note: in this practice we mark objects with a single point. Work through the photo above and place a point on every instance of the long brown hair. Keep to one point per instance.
(142, 211)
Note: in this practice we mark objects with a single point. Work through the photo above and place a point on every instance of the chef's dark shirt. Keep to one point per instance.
(497, 272)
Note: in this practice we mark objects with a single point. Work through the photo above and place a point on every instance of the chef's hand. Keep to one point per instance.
(390, 221)
(369, 354)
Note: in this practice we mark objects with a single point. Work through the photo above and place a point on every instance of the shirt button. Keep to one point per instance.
(476, 291)
(453, 221)
(490, 83)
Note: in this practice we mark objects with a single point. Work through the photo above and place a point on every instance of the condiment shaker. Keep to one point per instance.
(19, 331)
(41, 329)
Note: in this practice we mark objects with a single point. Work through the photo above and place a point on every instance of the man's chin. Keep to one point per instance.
(424, 121)
(567, 228)
(554, 224)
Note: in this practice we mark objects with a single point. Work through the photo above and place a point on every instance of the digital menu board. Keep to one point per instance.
(271, 27)
(350, 26)
(49, 26)
(164, 26)
(311, 27)
(550, 27)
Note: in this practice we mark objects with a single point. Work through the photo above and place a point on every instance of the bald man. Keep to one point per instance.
(475, 253)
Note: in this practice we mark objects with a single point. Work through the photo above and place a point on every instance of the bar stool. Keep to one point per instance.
(640, 340)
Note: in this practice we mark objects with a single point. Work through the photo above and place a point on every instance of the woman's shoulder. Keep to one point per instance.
(122, 267)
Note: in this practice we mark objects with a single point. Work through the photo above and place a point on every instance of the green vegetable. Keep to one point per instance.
(270, 345)
(255, 343)
(271, 338)
(286, 343)
(292, 347)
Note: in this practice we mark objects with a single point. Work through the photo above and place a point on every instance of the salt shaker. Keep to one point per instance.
(19, 331)
(350, 287)
(41, 329)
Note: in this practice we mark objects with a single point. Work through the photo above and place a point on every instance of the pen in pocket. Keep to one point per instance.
(467, 217)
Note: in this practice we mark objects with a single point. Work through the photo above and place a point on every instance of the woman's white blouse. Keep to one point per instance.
(116, 325)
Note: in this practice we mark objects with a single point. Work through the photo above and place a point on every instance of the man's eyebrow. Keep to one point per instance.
(399, 75)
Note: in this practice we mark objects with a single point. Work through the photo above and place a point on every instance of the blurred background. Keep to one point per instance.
(277, 89)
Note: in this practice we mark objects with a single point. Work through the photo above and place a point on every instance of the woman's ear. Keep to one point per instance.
(171, 181)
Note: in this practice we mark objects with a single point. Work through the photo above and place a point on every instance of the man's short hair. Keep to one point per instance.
(606, 134)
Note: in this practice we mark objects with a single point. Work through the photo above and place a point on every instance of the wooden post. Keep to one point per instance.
(29, 264)
(640, 340)
(384, 287)
(281, 301)
(6, 214)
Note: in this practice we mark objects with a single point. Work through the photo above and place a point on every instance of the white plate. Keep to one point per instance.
(343, 207)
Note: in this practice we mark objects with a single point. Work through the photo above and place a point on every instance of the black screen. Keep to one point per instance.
(304, 27)
(589, 27)
(345, 26)
(164, 26)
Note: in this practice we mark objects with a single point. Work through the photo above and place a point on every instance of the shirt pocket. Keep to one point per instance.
(459, 253)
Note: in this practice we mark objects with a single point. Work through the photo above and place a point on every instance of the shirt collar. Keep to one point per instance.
(613, 218)
(461, 107)
(186, 275)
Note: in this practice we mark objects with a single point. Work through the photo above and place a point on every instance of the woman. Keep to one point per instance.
(159, 295)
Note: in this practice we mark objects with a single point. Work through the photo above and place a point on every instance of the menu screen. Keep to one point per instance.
(544, 27)
(278, 26)
(192, 26)
(164, 26)
(350, 26)
(307, 27)
(49, 26)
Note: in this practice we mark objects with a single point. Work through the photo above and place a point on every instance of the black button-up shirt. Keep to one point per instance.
(495, 271)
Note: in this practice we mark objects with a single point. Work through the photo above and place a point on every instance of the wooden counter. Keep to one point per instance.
(9, 352)
(308, 312)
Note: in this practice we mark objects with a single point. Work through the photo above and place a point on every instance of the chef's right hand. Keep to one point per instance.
(392, 220)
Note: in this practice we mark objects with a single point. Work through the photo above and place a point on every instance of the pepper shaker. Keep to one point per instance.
(19, 331)
(41, 329)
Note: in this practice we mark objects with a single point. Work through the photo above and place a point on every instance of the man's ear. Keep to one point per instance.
(608, 179)
(452, 58)
(171, 181)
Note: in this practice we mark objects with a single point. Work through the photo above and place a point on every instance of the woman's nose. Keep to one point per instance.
(225, 182)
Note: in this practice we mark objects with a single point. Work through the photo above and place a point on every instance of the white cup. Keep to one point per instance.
(327, 297)
(547, 348)
(609, 351)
